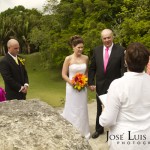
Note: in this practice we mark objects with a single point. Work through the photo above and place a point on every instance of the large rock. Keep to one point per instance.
(34, 125)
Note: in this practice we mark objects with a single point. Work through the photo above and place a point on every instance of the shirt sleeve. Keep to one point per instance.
(109, 115)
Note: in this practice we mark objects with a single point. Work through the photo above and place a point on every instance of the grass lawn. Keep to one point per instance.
(46, 85)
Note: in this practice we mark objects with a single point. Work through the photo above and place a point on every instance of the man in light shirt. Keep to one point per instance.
(14, 74)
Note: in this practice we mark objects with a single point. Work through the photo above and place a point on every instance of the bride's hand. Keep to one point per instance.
(71, 83)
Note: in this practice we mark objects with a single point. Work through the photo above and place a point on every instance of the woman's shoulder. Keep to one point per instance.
(68, 58)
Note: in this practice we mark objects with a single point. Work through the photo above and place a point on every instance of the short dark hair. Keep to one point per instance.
(75, 40)
(137, 57)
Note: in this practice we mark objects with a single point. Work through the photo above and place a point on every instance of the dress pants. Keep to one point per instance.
(98, 127)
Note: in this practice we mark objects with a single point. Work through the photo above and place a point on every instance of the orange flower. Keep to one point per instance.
(79, 81)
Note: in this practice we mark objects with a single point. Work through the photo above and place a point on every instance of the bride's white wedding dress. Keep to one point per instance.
(75, 110)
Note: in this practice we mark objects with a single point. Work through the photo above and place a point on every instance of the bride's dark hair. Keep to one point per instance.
(75, 40)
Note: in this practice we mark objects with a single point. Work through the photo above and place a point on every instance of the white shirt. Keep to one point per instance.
(109, 50)
(15, 58)
(128, 109)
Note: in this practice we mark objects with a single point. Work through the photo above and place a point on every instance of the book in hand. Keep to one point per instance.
(103, 99)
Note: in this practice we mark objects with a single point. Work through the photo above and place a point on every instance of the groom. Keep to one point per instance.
(107, 64)
(14, 73)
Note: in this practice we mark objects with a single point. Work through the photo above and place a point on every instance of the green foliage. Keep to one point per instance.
(49, 32)
(135, 24)
(88, 17)
(18, 23)
(90, 44)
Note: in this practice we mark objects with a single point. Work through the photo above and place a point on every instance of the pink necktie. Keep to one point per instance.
(106, 58)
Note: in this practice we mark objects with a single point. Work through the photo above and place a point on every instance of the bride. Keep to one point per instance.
(75, 110)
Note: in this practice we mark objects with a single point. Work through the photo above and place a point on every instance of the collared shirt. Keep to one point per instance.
(15, 58)
(109, 50)
(128, 109)
(128, 101)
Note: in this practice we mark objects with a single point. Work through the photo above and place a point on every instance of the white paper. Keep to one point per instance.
(103, 99)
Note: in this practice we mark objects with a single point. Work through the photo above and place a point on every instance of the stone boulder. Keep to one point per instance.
(35, 125)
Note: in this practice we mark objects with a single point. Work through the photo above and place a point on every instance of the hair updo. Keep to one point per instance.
(75, 40)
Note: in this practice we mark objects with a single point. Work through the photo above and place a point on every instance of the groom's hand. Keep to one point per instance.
(92, 87)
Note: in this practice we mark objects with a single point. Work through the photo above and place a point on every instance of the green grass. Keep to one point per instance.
(46, 85)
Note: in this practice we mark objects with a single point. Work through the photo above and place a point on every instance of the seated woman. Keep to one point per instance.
(127, 110)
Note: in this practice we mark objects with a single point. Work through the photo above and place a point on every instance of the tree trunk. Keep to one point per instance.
(2, 50)
(28, 47)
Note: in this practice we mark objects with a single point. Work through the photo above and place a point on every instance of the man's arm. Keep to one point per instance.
(123, 67)
(92, 70)
(7, 76)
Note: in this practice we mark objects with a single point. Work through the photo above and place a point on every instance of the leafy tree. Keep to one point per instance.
(5, 31)
(128, 19)
(50, 31)
(135, 24)
(19, 25)
(49, 7)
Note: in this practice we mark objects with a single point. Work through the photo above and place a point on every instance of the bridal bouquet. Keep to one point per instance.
(79, 81)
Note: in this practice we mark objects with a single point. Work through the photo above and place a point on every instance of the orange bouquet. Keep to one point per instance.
(79, 81)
